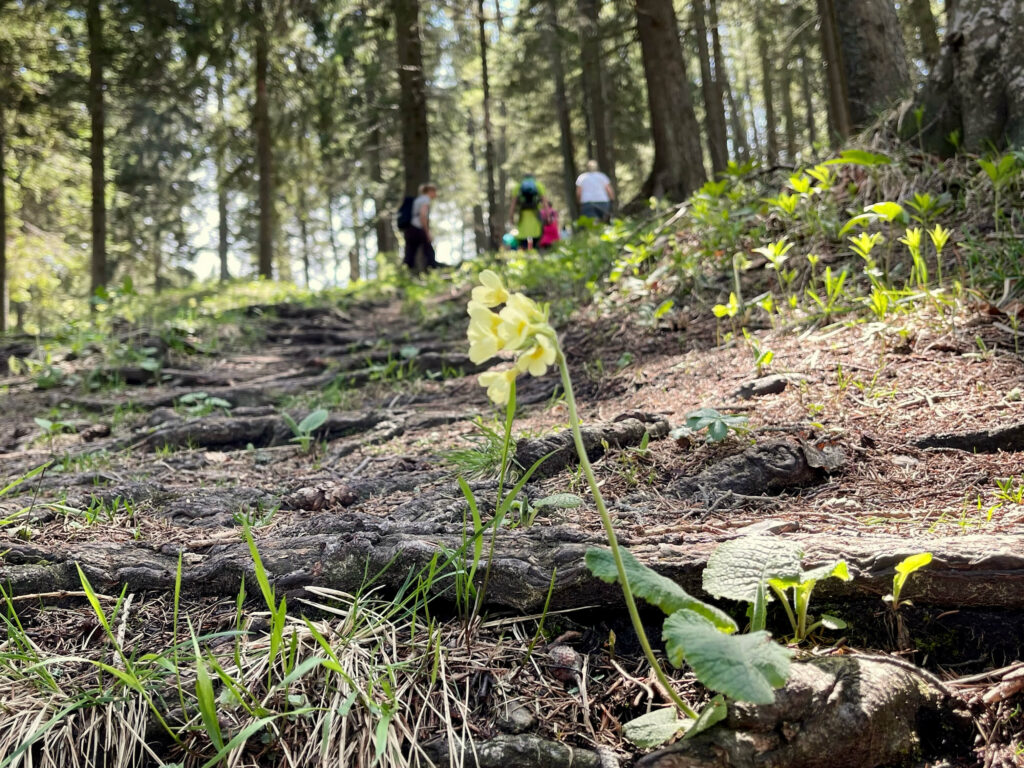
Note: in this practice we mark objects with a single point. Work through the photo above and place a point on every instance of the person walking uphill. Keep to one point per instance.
(419, 245)
(527, 198)
(594, 193)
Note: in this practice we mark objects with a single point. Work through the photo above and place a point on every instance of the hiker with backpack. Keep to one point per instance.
(414, 221)
(594, 193)
(527, 198)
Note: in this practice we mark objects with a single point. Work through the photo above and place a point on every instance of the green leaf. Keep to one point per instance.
(663, 308)
(654, 588)
(45, 424)
(837, 569)
(655, 728)
(859, 157)
(737, 568)
(832, 622)
(313, 421)
(560, 501)
(205, 696)
(888, 211)
(910, 564)
(713, 712)
(743, 667)
(860, 220)
(409, 352)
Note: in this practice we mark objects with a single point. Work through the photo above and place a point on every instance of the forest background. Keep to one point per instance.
(145, 143)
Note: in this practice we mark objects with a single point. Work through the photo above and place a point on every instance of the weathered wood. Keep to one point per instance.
(768, 468)
(624, 431)
(524, 750)
(1005, 438)
(836, 712)
(339, 549)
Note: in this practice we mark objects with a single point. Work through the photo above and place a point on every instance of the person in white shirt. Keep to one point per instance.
(594, 193)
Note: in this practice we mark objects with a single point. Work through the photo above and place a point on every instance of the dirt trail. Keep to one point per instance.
(849, 452)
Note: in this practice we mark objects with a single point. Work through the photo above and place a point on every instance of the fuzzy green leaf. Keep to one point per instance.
(743, 667)
(559, 501)
(655, 728)
(313, 421)
(736, 567)
(654, 588)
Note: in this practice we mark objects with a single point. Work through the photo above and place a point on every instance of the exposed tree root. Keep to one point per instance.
(836, 712)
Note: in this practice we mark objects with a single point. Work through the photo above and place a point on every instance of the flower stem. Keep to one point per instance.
(613, 542)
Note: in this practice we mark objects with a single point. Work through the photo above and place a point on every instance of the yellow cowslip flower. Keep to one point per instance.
(491, 291)
(538, 357)
(520, 319)
(484, 342)
(499, 384)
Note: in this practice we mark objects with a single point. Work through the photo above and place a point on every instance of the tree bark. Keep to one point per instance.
(714, 109)
(264, 149)
(354, 272)
(877, 72)
(975, 88)
(920, 12)
(788, 118)
(595, 86)
(493, 213)
(807, 94)
(736, 120)
(562, 110)
(97, 121)
(222, 188)
(678, 165)
(3, 219)
(839, 121)
(413, 99)
(765, 54)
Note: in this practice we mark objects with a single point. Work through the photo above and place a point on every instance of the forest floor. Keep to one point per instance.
(870, 443)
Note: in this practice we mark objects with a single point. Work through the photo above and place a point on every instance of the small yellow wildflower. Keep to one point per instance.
(491, 292)
(537, 359)
(499, 384)
(519, 320)
(484, 342)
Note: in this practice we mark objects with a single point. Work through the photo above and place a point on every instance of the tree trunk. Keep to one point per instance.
(264, 150)
(595, 86)
(920, 12)
(412, 102)
(354, 273)
(807, 94)
(877, 74)
(747, 105)
(333, 237)
(3, 220)
(222, 189)
(562, 110)
(499, 19)
(839, 121)
(304, 233)
(386, 241)
(678, 165)
(736, 120)
(493, 213)
(765, 53)
(975, 89)
(714, 110)
(97, 120)
(788, 118)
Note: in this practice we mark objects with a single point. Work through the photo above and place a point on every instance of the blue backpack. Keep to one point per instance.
(529, 194)
(404, 218)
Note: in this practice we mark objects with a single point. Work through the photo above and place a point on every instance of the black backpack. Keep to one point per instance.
(404, 218)
(529, 194)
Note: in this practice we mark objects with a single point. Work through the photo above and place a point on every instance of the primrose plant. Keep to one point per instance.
(303, 430)
(746, 667)
(746, 569)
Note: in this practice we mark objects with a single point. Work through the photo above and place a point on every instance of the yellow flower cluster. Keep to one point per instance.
(520, 326)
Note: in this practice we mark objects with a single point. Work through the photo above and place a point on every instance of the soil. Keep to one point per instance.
(867, 443)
